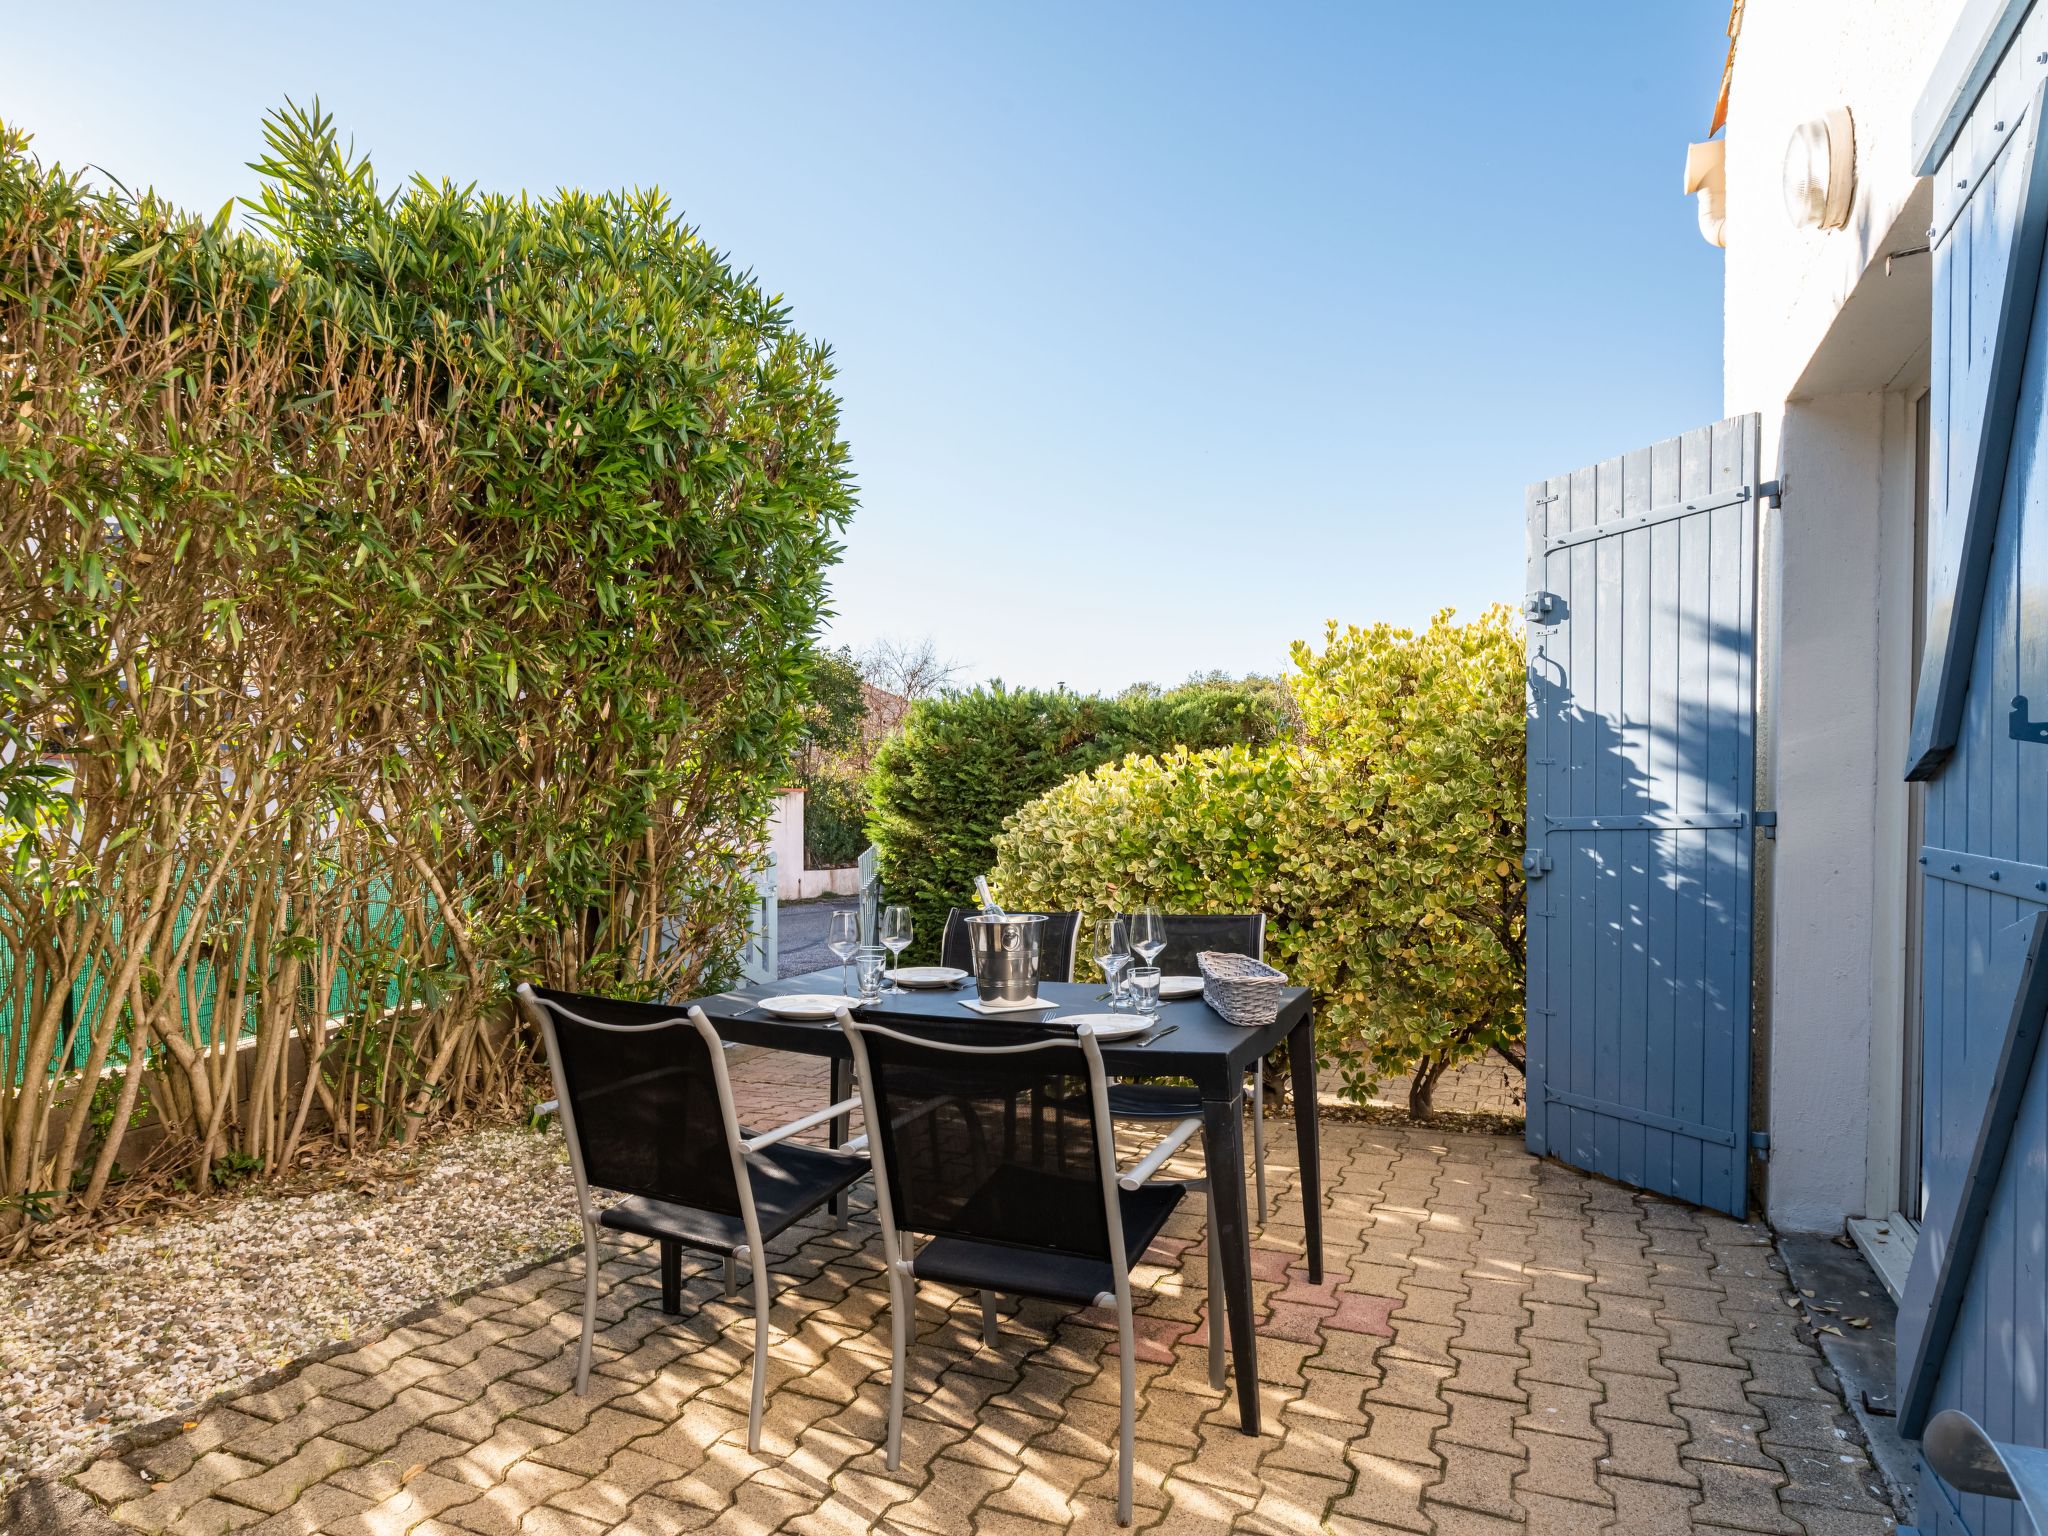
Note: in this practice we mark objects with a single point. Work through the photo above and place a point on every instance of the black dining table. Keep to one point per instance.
(1190, 1040)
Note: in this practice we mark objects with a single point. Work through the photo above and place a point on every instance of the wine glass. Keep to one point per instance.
(1112, 952)
(1148, 932)
(895, 935)
(843, 938)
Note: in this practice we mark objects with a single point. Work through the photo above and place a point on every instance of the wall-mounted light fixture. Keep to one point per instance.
(1820, 170)
(1706, 174)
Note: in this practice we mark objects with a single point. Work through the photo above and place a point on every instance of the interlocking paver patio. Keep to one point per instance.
(1499, 1345)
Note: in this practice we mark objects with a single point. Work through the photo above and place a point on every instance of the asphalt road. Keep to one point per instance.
(802, 934)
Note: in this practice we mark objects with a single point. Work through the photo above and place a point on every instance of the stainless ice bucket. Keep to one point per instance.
(1005, 949)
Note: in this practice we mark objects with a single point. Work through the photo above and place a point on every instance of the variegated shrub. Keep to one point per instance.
(1384, 846)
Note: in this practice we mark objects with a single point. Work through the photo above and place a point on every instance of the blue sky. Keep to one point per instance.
(1166, 331)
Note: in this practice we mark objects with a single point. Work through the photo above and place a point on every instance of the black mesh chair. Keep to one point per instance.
(1056, 949)
(954, 950)
(647, 1111)
(979, 1150)
(1187, 935)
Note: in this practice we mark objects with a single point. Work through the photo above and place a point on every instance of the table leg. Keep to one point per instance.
(1223, 1149)
(671, 1276)
(836, 1128)
(1301, 1055)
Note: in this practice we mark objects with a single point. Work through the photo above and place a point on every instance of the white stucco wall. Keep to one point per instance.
(1826, 346)
(793, 882)
(786, 842)
(1786, 287)
(1825, 863)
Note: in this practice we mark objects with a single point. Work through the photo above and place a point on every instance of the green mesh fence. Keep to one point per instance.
(200, 987)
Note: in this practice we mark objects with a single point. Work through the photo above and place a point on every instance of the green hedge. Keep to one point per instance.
(1384, 846)
(942, 787)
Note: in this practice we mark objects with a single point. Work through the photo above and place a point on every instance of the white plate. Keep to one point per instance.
(927, 975)
(1109, 1026)
(1180, 986)
(805, 1005)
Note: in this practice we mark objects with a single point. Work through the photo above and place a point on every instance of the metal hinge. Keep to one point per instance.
(1767, 823)
(2022, 727)
(1760, 1144)
(1770, 491)
(1539, 606)
(1536, 863)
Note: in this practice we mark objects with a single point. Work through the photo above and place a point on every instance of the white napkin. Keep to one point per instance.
(1023, 1006)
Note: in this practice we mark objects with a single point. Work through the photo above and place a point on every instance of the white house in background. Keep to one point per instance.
(793, 880)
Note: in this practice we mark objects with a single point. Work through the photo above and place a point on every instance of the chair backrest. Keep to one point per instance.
(954, 948)
(643, 1098)
(1062, 941)
(1189, 933)
(1007, 1144)
(1056, 946)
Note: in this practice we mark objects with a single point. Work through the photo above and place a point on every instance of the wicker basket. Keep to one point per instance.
(1245, 991)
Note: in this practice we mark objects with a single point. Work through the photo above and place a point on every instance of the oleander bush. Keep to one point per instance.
(1384, 845)
(941, 788)
(401, 595)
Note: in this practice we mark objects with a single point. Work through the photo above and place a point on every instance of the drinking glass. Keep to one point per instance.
(895, 934)
(843, 938)
(869, 962)
(1112, 953)
(1148, 932)
(1145, 990)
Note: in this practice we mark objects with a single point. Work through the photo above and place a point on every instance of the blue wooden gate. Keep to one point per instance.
(1972, 1324)
(1641, 646)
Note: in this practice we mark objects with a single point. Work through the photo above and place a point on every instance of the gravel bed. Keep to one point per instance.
(155, 1321)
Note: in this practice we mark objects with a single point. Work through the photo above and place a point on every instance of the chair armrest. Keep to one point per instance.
(1140, 1172)
(767, 1139)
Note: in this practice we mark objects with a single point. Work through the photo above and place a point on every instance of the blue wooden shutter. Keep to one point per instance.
(1642, 710)
(1979, 391)
(1973, 1327)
